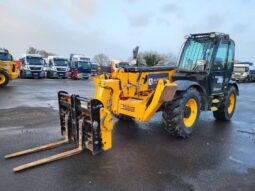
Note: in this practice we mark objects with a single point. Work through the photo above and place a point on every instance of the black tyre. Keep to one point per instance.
(226, 110)
(4, 79)
(22, 75)
(180, 115)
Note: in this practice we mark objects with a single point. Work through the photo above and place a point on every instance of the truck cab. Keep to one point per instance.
(244, 71)
(95, 68)
(33, 66)
(58, 67)
(115, 64)
(80, 67)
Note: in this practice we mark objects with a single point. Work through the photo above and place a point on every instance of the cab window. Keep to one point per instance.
(231, 53)
(221, 57)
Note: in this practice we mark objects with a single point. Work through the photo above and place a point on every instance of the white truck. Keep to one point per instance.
(32, 66)
(244, 72)
(57, 67)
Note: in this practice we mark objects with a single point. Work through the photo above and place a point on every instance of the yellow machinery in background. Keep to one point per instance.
(9, 69)
(200, 82)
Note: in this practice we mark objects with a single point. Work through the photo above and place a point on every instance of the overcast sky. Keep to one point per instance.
(115, 27)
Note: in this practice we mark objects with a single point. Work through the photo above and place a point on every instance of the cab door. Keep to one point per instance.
(219, 69)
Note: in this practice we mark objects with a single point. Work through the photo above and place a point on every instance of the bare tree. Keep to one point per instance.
(170, 59)
(43, 53)
(31, 50)
(101, 59)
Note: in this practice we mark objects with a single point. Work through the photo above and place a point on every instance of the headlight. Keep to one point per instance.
(244, 74)
(26, 67)
(54, 68)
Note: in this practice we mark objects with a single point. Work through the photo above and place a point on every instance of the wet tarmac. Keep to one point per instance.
(218, 156)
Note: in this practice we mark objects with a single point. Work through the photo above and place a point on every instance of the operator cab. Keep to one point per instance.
(5, 55)
(207, 59)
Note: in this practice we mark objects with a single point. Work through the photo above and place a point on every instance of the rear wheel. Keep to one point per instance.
(226, 110)
(4, 79)
(180, 115)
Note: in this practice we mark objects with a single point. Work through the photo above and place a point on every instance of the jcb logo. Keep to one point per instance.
(154, 78)
(151, 81)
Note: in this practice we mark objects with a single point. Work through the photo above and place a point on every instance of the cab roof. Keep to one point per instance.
(4, 50)
(31, 55)
(60, 57)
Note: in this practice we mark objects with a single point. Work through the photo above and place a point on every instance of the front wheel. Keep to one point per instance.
(4, 79)
(226, 110)
(180, 115)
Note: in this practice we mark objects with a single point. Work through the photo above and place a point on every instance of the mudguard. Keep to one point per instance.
(233, 83)
(183, 85)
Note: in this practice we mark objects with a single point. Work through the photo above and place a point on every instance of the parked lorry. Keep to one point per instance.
(33, 66)
(58, 67)
(80, 67)
(9, 69)
(115, 64)
(95, 69)
(244, 72)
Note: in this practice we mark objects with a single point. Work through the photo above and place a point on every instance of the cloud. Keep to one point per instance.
(22, 30)
(77, 10)
(216, 20)
(170, 8)
(139, 20)
(80, 9)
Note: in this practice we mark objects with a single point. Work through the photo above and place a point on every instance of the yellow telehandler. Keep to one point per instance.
(200, 82)
(9, 69)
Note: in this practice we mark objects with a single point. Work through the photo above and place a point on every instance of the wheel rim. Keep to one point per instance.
(231, 103)
(2, 79)
(192, 108)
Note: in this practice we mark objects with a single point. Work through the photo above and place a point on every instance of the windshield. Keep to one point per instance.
(60, 62)
(122, 65)
(241, 69)
(196, 51)
(94, 66)
(35, 61)
(5, 57)
(84, 64)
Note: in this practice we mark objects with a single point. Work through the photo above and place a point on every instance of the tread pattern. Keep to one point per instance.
(6, 80)
(172, 114)
(222, 114)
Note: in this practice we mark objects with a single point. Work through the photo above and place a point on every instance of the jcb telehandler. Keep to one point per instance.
(9, 69)
(201, 82)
